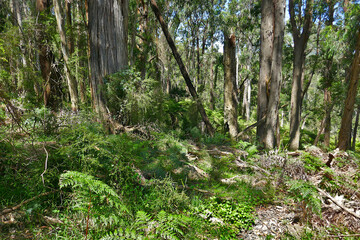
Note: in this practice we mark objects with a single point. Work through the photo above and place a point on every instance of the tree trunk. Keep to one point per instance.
(246, 99)
(272, 125)
(144, 40)
(271, 40)
(17, 12)
(45, 54)
(266, 48)
(345, 130)
(296, 92)
(213, 86)
(212, 96)
(301, 37)
(80, 63)
(108, 21)
(70, 39)
(182, 67)
(327, 124)
(246, 104)
(321, 129)
(71, 81)
(328, 76)
(230, 89)
(198, 69)
(164, 58)
(353, 144)
(346, 5)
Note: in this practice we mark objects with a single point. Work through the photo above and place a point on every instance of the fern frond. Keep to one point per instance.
(121, 234)
(306, 192)
(107, 206)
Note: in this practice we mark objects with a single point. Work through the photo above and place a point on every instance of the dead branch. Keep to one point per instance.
(242, 164)
(331, 157)
(9, 210)
(195, 189)
(143, 180)
(218, 152)
(342, 236)
(337, 203)
(251, 126)
(46, 163)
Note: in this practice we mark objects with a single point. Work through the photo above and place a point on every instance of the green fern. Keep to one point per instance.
(106, 205)
(123, 234)
(161, 226)
(306, 192)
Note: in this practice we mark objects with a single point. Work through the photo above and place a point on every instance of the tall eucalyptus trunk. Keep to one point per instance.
(246, 104)
(301, 36)
(230, 89)
(346, 120)
(353, 143)
(45, 54)
(108, 22)
(70, 79)
(328, 76)
(271, 41)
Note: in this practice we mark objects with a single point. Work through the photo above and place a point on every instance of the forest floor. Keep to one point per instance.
(308, 194)
(308, 176)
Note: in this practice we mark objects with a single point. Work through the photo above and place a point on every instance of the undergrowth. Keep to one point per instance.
(120, 186)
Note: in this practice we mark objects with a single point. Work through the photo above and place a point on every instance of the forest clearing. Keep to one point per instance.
(153, 119)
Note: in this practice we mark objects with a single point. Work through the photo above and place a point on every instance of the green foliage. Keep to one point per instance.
(83, 147)
(160, 226)
(90, 195)
(248, 147)
(306, 194)
(217, 139)
(162, 195)
(216, 118)
(42, 121)
(312, 163)
(20, 168)
(221, 166)
(131, 99)
(227, 218)
(307, 137)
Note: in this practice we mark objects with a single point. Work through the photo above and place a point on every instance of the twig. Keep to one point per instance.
(340, 236)
(46, 162)
(337, 203)
(9, 210)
